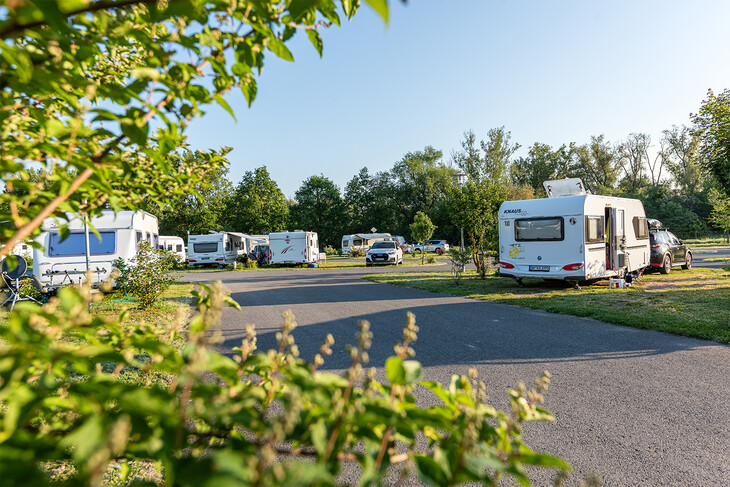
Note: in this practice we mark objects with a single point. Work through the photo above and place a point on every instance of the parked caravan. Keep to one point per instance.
(214, 248)
(174, 245)
(297, 247)
(63, 261)
(362, 241)
(572, 235)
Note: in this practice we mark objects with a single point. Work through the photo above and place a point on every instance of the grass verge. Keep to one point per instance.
(692, 303)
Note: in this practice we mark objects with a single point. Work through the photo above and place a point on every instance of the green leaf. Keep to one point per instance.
(279, 48)
(299, 8)
(222, 102)
(52, 14)
(430, 471)
(394, 371)
(316, 40)
(381, 7)
(413, 371)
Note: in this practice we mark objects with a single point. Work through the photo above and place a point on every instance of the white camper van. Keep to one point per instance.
(174, 245)
(214, 248)
(63, 262)
(572, 236)
(362, 241)
(297, 247)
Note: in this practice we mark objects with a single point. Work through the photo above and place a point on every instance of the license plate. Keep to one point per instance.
(541, 268)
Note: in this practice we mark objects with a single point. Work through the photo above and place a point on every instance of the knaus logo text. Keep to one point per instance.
(515, 211)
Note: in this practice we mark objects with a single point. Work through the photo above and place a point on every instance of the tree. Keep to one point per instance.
(422, 229)
(319, 207)
(633, 156)
(200, 211)
(596, 164)
(257, 204)
(683, 159)
(475, 207)
(720, 215)
(712, 128)
(492, 162)
(541, 164)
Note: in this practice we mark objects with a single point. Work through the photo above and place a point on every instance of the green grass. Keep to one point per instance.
(707, 242)
(692, 303)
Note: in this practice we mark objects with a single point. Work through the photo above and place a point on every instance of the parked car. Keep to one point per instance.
(667, 250)
(386, 252)
(438, 246)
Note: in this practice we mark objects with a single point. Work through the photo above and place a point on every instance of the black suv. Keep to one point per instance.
(667, 250)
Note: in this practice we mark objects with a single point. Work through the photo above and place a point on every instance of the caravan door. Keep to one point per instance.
(617, 238)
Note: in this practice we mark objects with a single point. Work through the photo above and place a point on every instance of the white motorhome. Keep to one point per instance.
(297, 247)
(174, 245)
(572, 236)
(63, 261)
(362, 241)
(219, 248)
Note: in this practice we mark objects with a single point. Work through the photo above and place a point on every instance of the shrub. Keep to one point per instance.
(459, 259)
(147, 275)
(357, 253)
(431, 259)
(330, 250)
(257, 418)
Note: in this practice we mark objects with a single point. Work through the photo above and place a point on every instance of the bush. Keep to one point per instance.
(459, 259)
(257, 418)
(330, 250)
(357, 253)
(146, 276)
(431, 259)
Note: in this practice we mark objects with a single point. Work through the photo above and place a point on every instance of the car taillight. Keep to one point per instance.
(506, 265)
(191, 260)
(219, 260)
(573, 267)
(656, 246)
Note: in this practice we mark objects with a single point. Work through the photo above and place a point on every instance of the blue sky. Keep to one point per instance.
(551, 71)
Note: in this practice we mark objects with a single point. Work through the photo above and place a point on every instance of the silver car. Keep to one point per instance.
(385, 252)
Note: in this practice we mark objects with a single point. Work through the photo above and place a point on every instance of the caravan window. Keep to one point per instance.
(641, 228)
(356, 243)
(75, 244)
(178, 248)
(538, 229)
(594, 229)
(205, 247)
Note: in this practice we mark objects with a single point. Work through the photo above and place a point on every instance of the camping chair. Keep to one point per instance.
(11, 279)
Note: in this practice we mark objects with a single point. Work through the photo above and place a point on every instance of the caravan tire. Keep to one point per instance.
(666, 267)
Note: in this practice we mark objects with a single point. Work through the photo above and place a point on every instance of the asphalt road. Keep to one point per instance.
(635, 407)
(700, 256)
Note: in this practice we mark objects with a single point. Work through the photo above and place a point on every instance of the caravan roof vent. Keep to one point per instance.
(564, 187)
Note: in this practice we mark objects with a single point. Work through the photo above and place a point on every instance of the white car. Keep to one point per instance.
(385, 252)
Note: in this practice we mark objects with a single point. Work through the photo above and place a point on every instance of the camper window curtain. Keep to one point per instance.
(75, 244)
(539, 229)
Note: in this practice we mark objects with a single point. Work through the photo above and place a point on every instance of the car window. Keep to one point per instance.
(383, 245)
(673, 238)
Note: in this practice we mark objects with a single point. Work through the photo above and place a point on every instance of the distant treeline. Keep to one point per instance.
(666, 176)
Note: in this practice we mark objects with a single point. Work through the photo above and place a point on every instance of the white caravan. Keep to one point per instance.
(362, 241)
(214, 248)
(297, 247)
(575, 237)
(174, 245)
(63, 261)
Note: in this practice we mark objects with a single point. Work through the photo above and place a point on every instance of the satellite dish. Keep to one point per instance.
(19, 270)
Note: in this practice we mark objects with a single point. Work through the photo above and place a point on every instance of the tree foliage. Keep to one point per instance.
(541, 164)
(84, 83)
(319, 207)
(254, 418)
(712, 127)
(257, 205)
(682, 149)
(422, 229)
